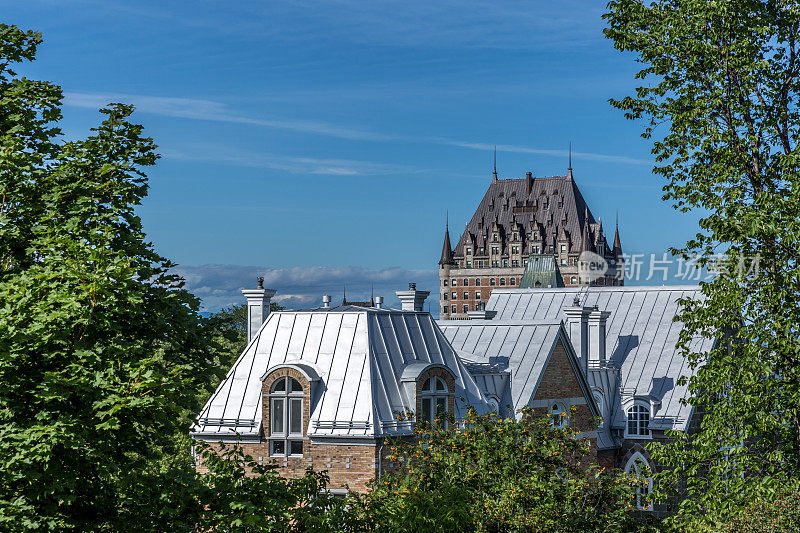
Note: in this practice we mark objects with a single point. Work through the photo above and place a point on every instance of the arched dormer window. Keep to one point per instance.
(638, 425)
(558, 415)
(286, 419)
(638, 465)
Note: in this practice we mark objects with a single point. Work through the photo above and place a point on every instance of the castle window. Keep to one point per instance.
(535, 234)
(444, 296)
(573, 280)
(445, 283)
(512, 281)
(638, 420)
(286, 418)
(558, 415)
(477, 282)
(478, 295)
(505, 262)
(469, 251)
(454, 282)
(494, 237)
(495, 263)
(563, 248)
(560, 203)
(502, 281)
(453, 309)
(563, 262)
(550, 248)
(492, 282)
(466, 308)
(444, 309)
(516, 237)
(454, 295)
(469, 264)
(466, 282)
(466, 295)
(638, 465)
(514, 262)
(495, 250)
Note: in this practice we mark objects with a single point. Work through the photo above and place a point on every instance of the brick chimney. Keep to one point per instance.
(257, 307)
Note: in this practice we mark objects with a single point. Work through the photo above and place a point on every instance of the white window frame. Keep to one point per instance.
(634, 465)
(638, 408)
(434, 390)
(597, 394)
(289, 398)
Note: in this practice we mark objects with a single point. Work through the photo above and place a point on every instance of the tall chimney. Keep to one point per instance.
(257, 307)
(578, 329)
(597, 336)
(412, 299)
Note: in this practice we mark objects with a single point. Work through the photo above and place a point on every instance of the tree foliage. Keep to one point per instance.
(720, 83)
(498, 475)
(102, 351)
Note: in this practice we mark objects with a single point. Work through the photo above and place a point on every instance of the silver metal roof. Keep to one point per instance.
(359, 355)
(641, 337)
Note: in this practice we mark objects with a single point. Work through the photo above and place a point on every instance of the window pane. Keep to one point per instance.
(280, 385)
(427, 385)
(427, 412)
(296, 447)
(296, 387)
(440, 386)
(277, 414)
(441, 406)
(278, 447)
(296, 416)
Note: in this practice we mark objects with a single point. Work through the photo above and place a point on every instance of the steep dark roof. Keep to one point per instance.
(532, 203)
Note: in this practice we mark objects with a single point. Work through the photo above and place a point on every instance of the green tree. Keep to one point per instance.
(101, 349)
(497, 475)
(719, 99)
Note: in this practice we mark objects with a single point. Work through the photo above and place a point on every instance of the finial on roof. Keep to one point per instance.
(569, 168)
(617, 250)
(494, 175)
(260, 281)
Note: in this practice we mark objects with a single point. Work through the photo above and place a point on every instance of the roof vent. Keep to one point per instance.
(326, 300)
(379, 302)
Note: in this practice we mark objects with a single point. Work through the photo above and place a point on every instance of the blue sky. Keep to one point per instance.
(321, 143)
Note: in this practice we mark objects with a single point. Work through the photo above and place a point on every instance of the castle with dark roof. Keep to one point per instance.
(523, 224)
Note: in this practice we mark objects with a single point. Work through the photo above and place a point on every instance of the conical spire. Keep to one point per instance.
(447, 251)
(617, 244)
(586, 239)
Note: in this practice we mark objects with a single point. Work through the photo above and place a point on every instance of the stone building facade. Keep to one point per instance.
(518, 219)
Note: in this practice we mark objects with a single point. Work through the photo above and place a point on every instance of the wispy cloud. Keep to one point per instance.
(199, 109)
(300, 287)
(292, 165)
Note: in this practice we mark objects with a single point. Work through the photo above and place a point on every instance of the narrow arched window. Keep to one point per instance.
(638, 421)
(433, 399)
(558, 415)
(598, 400)
(286, 418)
(638, 465)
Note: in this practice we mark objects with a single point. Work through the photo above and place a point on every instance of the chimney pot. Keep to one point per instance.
(326, 300)
(529, 175)
(379, 302)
